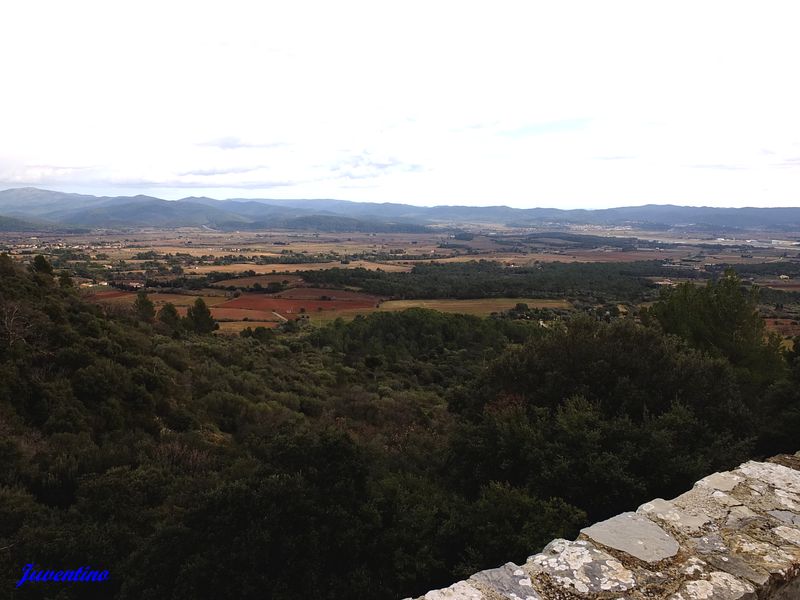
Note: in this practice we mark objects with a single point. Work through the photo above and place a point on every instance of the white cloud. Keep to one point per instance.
(522, 103)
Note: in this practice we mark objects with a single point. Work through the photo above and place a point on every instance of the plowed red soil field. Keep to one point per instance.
(785, 327)
(294, 306)
(260, 279)
(311, 293)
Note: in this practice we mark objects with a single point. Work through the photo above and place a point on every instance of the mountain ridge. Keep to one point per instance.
(70, 209)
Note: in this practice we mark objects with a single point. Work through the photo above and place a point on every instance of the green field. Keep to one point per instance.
(480, 307)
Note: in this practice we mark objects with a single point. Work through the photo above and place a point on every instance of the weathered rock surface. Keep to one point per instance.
(688, 521)
(458, 591)
(508, 581)
(734, 536)
(578, 566)
(718, 586)
(635, 535)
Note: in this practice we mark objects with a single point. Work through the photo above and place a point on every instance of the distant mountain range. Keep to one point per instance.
(32, 209)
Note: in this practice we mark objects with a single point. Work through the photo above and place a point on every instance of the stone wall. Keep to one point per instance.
(734, 536)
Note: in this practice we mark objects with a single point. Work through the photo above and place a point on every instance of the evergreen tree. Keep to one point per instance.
(6, 265)
(41, 265)
(144, 308)
(199, 319)
(169, 316)
(722, 319)
(64, 280)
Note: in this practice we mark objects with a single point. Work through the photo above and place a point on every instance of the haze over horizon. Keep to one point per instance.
(190, 195)
(422, 206)
(579, 105)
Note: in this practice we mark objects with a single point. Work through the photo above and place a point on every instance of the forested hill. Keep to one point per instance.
(49, 208)
(378, 458)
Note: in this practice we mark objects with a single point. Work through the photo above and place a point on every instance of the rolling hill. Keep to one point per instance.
(36, 208)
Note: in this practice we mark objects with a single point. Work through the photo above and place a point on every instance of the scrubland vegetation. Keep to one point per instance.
(375, 458)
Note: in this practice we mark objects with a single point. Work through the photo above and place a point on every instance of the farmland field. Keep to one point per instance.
(481, 307)
(785, 327)
(570, 255)
(263, 280)
(157, 298)
(185, 299)
(293, 307)
(320, 304)
(293, 268)
(259, 309)
(112, 296)
(787, 286)
(311, 293)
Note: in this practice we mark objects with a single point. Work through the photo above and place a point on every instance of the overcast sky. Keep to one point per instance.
(567, 104)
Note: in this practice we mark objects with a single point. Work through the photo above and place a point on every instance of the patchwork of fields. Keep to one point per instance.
(295, 267)
(319, 305)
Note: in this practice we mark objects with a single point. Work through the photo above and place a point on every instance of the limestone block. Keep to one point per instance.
(580, 567)
(738, 515)
(765, 498)
(777, 476)
(777, 561)
(508, 581)
(790, 534)
(724, 482)
(708, 544)
(705, 500)
(716, 586)
(689, 522)
(634, 534)
(786, 516)
(458, 591)
(738, 567)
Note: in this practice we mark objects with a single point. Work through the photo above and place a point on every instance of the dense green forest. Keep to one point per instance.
(594, 282)
(482, 279)
(376, 458)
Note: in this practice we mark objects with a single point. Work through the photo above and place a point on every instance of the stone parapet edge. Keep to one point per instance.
(734, 536)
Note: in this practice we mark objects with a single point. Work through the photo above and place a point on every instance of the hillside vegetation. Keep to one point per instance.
(376, 458)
